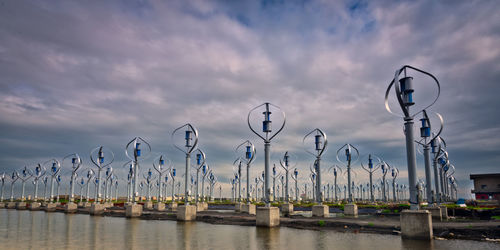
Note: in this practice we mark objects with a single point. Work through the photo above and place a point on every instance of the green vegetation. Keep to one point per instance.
(371, 224)
(321, 223)
(496, 217)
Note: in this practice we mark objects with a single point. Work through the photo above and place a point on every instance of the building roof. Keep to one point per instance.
(474, 176)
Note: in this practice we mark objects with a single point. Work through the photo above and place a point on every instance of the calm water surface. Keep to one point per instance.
(40, 230)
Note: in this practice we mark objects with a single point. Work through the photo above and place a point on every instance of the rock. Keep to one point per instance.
(443, 234)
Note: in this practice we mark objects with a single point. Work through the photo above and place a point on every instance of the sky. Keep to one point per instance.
(77, 75)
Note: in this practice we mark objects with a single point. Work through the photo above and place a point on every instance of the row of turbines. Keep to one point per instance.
(161, 177)
(437, 186)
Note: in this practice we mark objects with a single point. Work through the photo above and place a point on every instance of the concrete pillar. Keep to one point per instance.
(21, 205)
(133, 210)
(160, 206)
(186, 213)
(416, 224)
(268, 217)
(70, 207)
(287, 208)
(248, 208)
(96, 208)
(351, 209)
(35, 206)
(320, 211)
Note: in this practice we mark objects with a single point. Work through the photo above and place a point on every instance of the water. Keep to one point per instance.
(40, 230)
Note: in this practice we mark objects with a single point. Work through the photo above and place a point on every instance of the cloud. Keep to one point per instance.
(75, 76)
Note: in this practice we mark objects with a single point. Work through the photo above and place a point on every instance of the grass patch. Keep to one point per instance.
(371, 224)
(496, 217)
(321, 223)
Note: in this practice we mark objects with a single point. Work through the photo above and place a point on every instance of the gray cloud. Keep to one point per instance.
(75, 76)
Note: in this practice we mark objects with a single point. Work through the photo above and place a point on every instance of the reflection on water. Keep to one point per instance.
(40, 230)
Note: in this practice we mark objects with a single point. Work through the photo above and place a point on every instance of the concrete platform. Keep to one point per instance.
(205, 205)
(249, 209)
(160, 206)
(416, 224)
(35, 206)
(148, 205)
(268, 217)
(87, 204)
(186, 213)
(237, 207)
(435, 213)
(200, 207)
(133, 210)
(2, 204)
(444, 212)
(21, 205)
(320, 211)
(173, 207)
(50, 207)
(70, 207)
(287, 208)
(97, 209)
(351, 209)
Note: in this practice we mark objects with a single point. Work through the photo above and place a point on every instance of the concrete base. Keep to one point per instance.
(287, 208)
(248, 208)
(148, 205)
(444, 212)
(2, 205)
(205, 205)
(200, 207)
(268, 217)
(70, 207)
(186, 213)
(87, 204)
(160, 206)
(435, 213)
(21, 205)
(416, 224)
(173, 206)
(108, 204)
(351, 210)
(11, 205)
(97, 209)
(320, 211)
(50, 207)
(134, 210)
(80, 204)
(35, 205)
(237, 207)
